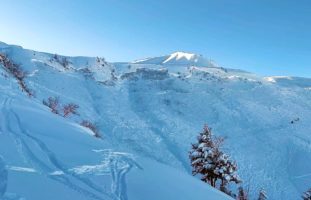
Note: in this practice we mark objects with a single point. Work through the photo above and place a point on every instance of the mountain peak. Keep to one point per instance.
(177, 58)
(184, 54)
(181, 55)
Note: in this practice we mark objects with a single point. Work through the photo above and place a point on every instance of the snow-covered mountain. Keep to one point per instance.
(178, 59)
(147, 114)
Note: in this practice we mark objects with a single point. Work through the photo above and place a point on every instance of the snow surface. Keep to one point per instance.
(148, 113)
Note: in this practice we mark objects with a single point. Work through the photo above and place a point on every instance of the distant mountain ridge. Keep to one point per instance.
(178, 58)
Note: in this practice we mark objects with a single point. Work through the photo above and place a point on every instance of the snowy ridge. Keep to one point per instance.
(290, 81)
(148, 113)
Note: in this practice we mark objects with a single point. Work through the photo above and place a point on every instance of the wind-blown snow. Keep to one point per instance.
(148, 113)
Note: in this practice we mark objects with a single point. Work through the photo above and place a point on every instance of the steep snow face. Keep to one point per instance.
(178, 58)
(148, 115)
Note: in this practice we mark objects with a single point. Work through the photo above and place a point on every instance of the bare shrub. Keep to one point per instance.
(16, 71)
(52, 103)
(92, 127)
(70, 108)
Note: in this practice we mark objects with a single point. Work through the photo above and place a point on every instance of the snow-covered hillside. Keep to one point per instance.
(148, 113)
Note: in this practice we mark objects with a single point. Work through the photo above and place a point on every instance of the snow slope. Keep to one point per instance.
(148, 113)
(49, 158)
(46, 156)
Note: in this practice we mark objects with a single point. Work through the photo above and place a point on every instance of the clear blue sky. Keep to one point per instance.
(269, 37)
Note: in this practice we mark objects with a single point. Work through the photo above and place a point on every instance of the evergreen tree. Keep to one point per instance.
(262, 195)
(242, 195)
(307, 195)
(210, 162)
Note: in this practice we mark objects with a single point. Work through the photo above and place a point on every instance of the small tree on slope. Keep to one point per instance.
(307, 195)
(242, 194)
(210, 162)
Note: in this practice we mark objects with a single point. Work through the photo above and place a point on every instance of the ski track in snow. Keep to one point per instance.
(120, 164)
(302, 176)
(44, 168)
(117, 164)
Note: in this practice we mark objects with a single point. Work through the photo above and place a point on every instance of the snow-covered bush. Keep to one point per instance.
(101, 61)
(214, 166)
(65, 62)
(87, 73)
(53, 104)
(61, 60)
(92, 127)
(16, 71)
(262, 195)
(307, 195)
(70, 108)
